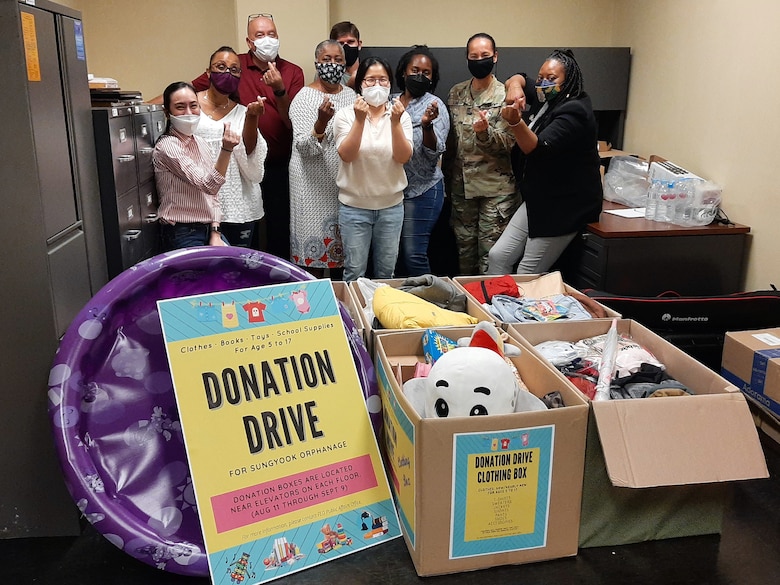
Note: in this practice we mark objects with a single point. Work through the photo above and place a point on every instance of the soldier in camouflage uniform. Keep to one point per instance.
(481, 184)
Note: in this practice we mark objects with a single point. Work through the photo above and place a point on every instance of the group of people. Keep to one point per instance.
(344, 173)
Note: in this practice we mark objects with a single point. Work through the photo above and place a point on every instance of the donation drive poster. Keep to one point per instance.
(284, 462)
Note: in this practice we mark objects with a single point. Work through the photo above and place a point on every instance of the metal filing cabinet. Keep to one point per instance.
(54, 257)
(124, 141)
(148, 123)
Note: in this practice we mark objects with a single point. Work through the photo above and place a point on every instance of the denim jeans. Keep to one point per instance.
(185, 235)
(420, 215)
(377, 230)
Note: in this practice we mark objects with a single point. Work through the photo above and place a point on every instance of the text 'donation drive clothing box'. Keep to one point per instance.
(659, 468)
(473, 309)
(481, 491)
(751, 361)
(535, 286)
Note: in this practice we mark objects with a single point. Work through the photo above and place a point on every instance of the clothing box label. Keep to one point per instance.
(501, 490)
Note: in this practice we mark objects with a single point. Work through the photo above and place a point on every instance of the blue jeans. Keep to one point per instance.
(378, 230)
(185, 235)
(420, 215)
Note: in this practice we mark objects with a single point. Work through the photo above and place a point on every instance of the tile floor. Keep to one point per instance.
(746, 553)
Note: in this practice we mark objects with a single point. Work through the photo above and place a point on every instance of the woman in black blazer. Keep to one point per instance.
(556, 165)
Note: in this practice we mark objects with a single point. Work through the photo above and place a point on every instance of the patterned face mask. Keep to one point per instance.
(546, 90)
(330, 72)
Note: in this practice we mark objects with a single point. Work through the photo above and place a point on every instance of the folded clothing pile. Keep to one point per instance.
(541, 299)
(420, 302)
(638, 374)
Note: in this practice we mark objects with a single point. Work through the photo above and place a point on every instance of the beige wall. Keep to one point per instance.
(513, 23)
(704, 94)
(684, 101)
(147, 44)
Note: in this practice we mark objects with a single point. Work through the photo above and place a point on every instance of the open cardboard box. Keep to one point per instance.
(658, 468)
(451, 520)
(473, 308)
(344, 294)
(539, 286)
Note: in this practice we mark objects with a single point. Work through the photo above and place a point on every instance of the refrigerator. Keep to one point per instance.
(53, 259)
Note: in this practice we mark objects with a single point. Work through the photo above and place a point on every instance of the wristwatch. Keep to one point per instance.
(280, 92)
(215, 228)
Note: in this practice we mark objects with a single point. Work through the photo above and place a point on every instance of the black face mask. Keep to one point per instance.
(350, 54)
(417, 85)
(481, 68)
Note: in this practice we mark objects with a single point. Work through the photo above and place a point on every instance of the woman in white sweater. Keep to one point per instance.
(240, 197)
(374, 140)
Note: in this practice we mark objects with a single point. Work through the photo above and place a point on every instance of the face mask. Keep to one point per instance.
(225, 83)
(266, 49)
(330, 72)
(417, 84)
(186, 124)
(350, 54)
(546, 90)
(376, 95)
(481, 68)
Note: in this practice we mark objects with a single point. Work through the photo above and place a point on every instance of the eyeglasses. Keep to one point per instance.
(259, 15)
(371, 81)
(222, 68)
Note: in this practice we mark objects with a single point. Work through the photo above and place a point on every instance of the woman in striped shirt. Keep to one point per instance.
(187, 177)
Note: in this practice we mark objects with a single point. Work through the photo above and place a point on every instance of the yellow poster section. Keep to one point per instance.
(222, 461)
(399, 445)
(501, 494)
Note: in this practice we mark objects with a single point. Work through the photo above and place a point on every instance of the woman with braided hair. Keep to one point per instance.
(556, 166)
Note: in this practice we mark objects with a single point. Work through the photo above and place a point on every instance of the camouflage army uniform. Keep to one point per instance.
(481, 184)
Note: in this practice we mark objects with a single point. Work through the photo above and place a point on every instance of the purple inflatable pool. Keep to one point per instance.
(113, 409)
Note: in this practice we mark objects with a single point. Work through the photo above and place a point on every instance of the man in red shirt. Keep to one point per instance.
(264, 74)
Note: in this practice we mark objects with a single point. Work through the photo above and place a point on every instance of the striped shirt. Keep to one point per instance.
(187, 182)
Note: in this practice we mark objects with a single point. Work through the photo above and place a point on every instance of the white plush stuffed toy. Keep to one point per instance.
(471, 381)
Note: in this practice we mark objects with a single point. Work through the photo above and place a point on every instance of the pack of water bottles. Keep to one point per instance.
(686, 201)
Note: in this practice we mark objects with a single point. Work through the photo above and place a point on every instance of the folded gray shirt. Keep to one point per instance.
(435, 290)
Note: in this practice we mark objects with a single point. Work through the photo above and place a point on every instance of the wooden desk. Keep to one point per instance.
(637, 257)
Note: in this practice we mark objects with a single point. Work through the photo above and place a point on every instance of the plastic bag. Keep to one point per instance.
(701, 206)
(626, 181)
(367, 288)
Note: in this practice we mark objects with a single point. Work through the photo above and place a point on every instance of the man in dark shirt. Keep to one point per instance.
(264, 74)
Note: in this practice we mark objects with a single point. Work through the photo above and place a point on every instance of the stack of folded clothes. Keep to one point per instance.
(638, 374)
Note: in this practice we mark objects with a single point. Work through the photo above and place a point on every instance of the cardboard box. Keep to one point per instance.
(344, 294)
(751, 361)
(661, 169)
(658, 468)
(446, 513)
(552, 282)
(473, 308)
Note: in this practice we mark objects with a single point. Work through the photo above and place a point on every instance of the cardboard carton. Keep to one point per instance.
(451, 520)
(751, 361)
(344, 295)
(473, 308)
(658, 468)
(550, 284)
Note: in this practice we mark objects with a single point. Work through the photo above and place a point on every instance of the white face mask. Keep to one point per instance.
(186, 124)
(266, 49)
(376, 95)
